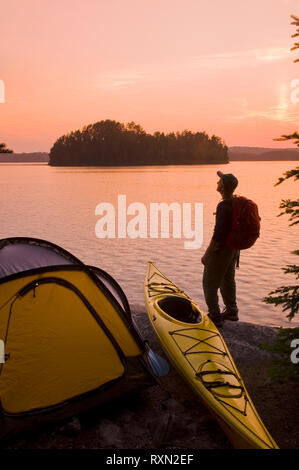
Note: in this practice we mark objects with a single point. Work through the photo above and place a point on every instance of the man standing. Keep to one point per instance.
(220, 262)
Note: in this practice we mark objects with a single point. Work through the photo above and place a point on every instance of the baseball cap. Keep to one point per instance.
(229, 180)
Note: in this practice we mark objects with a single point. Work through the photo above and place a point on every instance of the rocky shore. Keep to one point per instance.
(169, 416)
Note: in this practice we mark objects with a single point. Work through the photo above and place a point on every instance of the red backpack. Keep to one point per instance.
(245, 224)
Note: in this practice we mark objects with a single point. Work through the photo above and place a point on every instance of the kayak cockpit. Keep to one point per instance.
(180, 309)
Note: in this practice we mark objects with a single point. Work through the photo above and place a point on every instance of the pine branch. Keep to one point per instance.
(287, 297)
(294, 173)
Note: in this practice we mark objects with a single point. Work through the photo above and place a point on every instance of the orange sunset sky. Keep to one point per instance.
(220, 66)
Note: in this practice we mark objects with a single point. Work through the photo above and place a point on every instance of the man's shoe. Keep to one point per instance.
(216, 319)
(231, 315)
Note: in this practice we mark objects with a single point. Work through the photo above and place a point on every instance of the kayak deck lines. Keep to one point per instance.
(160, 287)
(216, 384)
(198, 341)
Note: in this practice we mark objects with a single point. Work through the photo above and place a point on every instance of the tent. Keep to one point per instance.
(69, 340)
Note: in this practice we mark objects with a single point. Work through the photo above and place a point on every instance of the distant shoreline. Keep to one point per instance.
(33, 157)
(256, 154)
(253, 154)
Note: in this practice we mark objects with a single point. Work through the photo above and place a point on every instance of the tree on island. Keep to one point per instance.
(287, 296)
(111, 143)
(3, 149)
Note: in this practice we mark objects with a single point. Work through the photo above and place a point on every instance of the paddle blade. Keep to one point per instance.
(157, 363)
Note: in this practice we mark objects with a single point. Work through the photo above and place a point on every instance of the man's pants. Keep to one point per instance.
(219, 273)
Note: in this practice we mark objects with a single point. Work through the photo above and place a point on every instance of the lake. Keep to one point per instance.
(58, 204)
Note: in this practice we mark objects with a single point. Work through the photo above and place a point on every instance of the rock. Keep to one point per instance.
(174, 406)
(179, 427)
(72, 428)
(109, 434)
(158, 429)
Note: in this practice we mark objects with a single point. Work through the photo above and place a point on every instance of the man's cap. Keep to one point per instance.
(229, 180)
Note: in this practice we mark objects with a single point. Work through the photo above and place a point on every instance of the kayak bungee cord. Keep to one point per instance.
(216, 384)
(198, 341)
(160, 287)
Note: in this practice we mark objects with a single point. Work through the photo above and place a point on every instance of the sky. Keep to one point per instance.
(224, 67)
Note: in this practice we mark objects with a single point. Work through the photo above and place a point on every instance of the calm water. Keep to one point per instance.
(58, 204)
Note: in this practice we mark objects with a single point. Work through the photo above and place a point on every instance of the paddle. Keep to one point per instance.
(157, 363)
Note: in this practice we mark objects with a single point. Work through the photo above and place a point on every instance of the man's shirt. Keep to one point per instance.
(224, 218)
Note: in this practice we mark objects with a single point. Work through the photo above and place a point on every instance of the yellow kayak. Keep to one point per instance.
(199, 353)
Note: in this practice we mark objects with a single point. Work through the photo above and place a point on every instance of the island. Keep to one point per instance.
(111, 143)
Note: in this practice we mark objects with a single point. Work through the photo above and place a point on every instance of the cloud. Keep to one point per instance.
(283, 111)
(238, 59)
(190, 68)
(274, 113)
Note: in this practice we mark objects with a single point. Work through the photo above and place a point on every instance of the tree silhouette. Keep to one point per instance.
(3, 149)
(287, 296)
(111, 143)
(296, 34)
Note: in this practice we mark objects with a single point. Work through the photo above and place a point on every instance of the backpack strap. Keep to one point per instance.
(238, 260)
